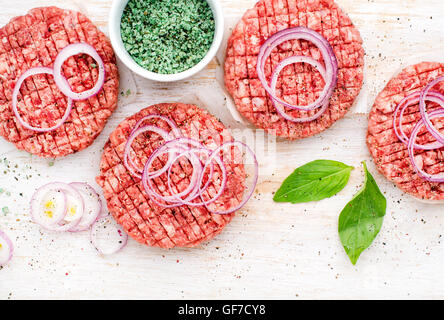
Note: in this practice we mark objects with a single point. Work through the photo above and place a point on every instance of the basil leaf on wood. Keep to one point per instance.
(314, 181)
(361, 220)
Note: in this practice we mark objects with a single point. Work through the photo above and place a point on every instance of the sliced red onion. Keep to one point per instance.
(173, 147)
(214, 157)
(184, 142)
(197, 171)
(193, 193)
(62, 83)
(426, 121)
(408, 101)
(87, 214)
(18, 85)
(288, 61)
(331, 64)
(439, 178)
(176, 149)
(126, 157)
(288, 117)
(73, 207)
(191, 199)
(107, 236)
(174, 129)
(194, 189)
(423, 109)
(6, 249)
(175, 133)
(147, 178)
(93, 206)
(48, 205)
(255, 175)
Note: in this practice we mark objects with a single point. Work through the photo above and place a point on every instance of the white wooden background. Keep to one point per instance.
(270, 250)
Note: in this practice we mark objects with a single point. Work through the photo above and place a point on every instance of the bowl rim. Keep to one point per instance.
(115, 17)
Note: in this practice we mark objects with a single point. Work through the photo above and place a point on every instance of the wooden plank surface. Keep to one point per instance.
(269, 250)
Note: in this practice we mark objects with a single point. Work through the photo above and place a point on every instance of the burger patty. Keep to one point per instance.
(34, 40)
(298, 84)
(390, 154)
(143, 219)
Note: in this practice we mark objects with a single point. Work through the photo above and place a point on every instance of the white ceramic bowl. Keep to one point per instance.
(114, 31)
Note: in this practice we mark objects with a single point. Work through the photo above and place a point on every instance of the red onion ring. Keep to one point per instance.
(194, 178)
(331, 64)
(18, 85)
(190, 149)
(10, 248)
(275, 77)
(90, 216)
(165, 136)
(93, 207)
(410, 100)
(193, 191)
(178, 144)
(426, 121)
(147, 177)
(174, 128)
(198, 189)
(98, 226)
(197, 171)
(425, 116)
(255, 176)
(411, 147)
(191, 199)
(184, 142)
(62, 83)
(35, 204)
(68, 191)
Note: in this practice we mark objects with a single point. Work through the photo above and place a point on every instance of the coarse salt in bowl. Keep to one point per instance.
(115, 16)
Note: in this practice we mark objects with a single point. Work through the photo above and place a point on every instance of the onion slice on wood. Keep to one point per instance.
(93, 206)
(6, 249)
(68, 215)
(107, 236)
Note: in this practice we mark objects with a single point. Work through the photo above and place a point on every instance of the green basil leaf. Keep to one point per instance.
(314, 181)
(361, 220)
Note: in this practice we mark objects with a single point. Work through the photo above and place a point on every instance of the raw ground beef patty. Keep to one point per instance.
(390, 154)
(299, 84)
(145, 221)
(34, 40)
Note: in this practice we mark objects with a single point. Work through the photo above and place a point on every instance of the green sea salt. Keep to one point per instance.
(167, 36)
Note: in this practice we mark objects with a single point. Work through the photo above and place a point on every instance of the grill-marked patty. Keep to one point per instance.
(127, 200)
(390, 154)
(299, 84)
(34, 40)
